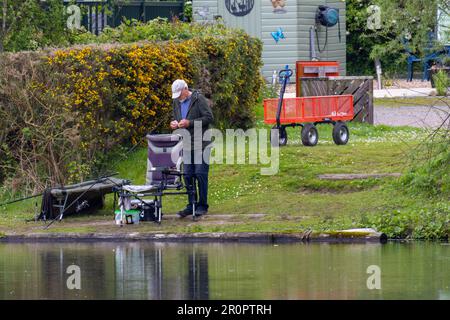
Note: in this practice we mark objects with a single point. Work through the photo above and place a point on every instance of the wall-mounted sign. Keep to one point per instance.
(278, 6)
(239, 8)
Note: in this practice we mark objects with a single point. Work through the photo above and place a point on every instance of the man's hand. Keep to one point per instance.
(174, 124)
(183, 123)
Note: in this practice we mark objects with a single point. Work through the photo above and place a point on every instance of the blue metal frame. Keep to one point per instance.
(427, 61)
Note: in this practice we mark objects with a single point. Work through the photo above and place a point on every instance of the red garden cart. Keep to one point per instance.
(307, 112)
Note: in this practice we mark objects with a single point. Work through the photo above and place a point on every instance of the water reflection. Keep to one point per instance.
(156, 272)
(140, 270)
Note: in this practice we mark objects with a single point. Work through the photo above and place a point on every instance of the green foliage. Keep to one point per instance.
(430, 171)
(358, 46)
(426, 223)
(269, 92)
(188, 11)
(446, 61)
(77, 171)
(31, 24)
(442, 82)
(7, 162)
(412, 20)
(155, 30)
(34, 24)
(228, 71)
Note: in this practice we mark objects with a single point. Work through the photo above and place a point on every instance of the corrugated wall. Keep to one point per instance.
(251, 23)
(296, 21)
(277, 55)
(208, 6)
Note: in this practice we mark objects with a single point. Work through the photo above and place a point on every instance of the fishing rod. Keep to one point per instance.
(21, 199)
(37, 195)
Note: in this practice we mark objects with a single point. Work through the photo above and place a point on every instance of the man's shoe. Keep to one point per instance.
(184, 213)
(200, 212)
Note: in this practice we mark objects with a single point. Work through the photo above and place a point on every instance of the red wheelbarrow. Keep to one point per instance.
(307, 112)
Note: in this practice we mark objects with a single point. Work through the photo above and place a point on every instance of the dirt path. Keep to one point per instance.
(415, 116)
(356, 176)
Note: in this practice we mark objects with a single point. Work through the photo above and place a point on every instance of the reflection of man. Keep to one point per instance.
(190, 107)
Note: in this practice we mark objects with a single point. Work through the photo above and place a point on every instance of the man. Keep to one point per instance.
(191, 109)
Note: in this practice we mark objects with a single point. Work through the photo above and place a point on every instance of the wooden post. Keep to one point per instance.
(3, 31)
(379, 72)
(370, 109)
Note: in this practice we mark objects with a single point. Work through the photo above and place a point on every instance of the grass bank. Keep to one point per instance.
(295, 199)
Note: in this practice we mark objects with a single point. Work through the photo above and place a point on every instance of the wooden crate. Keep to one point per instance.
(360, 87)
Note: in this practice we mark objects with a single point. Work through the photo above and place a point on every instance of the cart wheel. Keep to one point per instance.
(310, 136)
(340, 133)
(282, 138)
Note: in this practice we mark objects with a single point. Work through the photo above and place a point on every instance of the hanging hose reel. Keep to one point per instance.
(327, 17)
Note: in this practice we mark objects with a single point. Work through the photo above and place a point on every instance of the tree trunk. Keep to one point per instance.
(5, 6)
(3, 31)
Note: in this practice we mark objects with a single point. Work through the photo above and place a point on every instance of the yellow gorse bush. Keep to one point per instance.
(120, 93)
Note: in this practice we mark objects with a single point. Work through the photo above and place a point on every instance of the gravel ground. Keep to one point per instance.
(417, 116)
(403, 84)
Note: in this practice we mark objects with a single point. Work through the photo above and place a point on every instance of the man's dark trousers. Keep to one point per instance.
(197, 171)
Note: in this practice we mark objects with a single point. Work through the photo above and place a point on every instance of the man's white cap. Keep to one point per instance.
(178, 86)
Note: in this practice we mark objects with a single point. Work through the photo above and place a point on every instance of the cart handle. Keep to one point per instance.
(285, 73)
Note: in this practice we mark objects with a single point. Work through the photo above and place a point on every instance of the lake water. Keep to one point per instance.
(152, 270)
